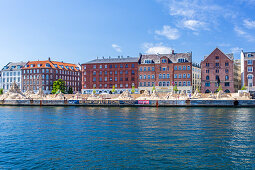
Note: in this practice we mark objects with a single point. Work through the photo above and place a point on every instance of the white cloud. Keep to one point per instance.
(193, 24)
(116, 48)
(151, 48)
(249, 24)
(243, 34)
(168, 32)
(236, 50)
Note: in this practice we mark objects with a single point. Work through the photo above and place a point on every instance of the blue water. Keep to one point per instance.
(120, 138)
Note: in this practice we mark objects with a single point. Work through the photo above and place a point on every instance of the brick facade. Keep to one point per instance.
(248, 70)
(102, 74)
(38, 74)
(165, 70)
(217, 69)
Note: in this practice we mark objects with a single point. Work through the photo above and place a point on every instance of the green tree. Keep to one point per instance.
(198, 90)
(243, 88)
(133, 89)
(94, 91)
(70, 90)
(1, 91)
(153, 88)
(58, 85)
(113, 89)
(219, 88)
(175, 89)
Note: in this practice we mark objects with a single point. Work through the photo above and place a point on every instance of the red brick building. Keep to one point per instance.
(164, 71)
(38, 74)
(102, 74)
(248, 70)
(217, 69)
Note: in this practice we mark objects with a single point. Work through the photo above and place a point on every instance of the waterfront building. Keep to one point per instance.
(101, 75)
(42, 74)
(217, 69)
(247, 70)
(237, 75)
(164, 71)
(1, 80)
(196, 77)
(10, 73)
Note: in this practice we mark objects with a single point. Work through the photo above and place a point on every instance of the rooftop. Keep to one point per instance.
(113, 60)
(14, 66)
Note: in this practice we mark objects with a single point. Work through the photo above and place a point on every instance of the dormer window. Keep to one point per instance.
(13, 67)
(32, 65)
(249, 55)
(61, 66)
(147, 61)
(72, 67)
(77, 68)
(47, 65)
(67, 67)
(181, 60)
(39, 65)
(18, 66)
(6, 67)
(55, 65)
(163, 61)
(27, 65)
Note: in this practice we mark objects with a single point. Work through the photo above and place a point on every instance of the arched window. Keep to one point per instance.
(227, 91)
(250, 77)
(207, 77)
(207, 91)
(160, 83)
(164, 76)
(217, 77)
(227, 77)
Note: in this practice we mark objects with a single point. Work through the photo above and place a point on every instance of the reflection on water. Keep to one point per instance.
(138, 138)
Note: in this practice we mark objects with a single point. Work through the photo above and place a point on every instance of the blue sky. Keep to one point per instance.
(80, 30)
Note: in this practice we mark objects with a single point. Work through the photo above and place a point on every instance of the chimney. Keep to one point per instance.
(172, 51)
(49, 58)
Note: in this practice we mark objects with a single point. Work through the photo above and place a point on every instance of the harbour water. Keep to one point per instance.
(127, 137)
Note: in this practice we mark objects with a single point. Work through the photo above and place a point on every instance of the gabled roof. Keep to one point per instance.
(114, 60)
(230, 56)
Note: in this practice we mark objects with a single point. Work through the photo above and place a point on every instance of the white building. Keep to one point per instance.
(196, 77)
(10, 73)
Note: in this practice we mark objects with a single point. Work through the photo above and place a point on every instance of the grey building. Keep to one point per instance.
(10, 73)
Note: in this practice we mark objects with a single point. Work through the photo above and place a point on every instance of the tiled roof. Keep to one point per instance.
(252, 54)
(14, 66)
(173, 57)
(230, 56)
(52, 64)
(114, 60)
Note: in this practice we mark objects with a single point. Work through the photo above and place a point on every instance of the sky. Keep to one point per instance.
(81, 30)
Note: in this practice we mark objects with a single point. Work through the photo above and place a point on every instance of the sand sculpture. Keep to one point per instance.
(14, 93)
(169, 96)
(144, 96)
(125, 96)
(154, 96)
(196, 95)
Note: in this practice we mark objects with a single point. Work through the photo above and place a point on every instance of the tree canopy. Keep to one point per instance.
(59, 85)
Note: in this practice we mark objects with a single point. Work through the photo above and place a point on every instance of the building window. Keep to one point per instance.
(207, 78)
(184, 83)
(126, 66)
(217, 57)
(188, 67)
(121, 66)
(181, 60)
(180, 67)
(180, 83)
(94, 79)
(164, 76)
(175, 76)
(189, 83)
(207, 84)
(227, 84)
(116, 66)
(94, 73)
(144, 69)
(160, 83)
(144, 77)
(168, 76)
(184, 75)
(207, 71)
(250, 69)
(217, 64)
(216, 71)
(188, 75)
(163, 60)
(184, 67)
(207, 64)
(249, 62)
(250, 77)
(175, 67)
(141, 77)
(226, 77)
(180, 76)
(149, 69)
(164, 69)
(152, 76)
(160, 76)
(149, 77)
(133, 65)
(144, 84)
(94, 66)
(153, 68)
(226, 70)
(105, 79)
(115, 79)
(226, 64)
(149, 84)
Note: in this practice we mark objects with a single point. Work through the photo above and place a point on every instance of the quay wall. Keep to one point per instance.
(142, 103)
